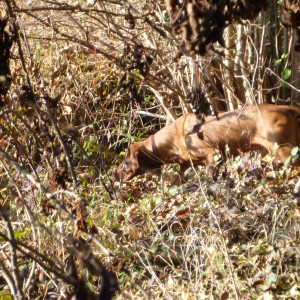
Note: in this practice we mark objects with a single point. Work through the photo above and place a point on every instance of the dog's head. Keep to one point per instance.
(137, 161)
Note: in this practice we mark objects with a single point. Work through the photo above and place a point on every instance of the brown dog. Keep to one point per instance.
(187, 141)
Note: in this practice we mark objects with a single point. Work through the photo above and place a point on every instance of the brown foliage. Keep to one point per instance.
(201, 23)
(6, 40)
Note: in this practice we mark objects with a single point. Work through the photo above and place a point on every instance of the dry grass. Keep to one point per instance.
(234, 238)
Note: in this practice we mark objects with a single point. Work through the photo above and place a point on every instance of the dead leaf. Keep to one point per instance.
(133, 232)
(183, 213)
(224, 296)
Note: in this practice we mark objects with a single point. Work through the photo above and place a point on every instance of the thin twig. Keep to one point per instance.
(148, 114)
(34, 237)
(64, 146)
(41, 259)
(281, 80)
(36, 182)
(6, 274)
(76, 8)
(14, 269)
(25, 122)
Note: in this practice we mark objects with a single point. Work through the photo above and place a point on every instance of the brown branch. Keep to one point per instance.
(75, 39)
(70, 8)
(15, 271)
(281, 80)
(116, 2)
(36, 182)
(63, 144)
(41, 259)
(6, 274)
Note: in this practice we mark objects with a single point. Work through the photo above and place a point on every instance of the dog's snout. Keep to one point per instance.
(120, 173)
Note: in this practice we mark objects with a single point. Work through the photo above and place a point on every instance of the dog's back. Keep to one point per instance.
(190, 140)
(256, 127)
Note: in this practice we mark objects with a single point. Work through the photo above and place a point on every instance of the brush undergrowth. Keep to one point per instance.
(68, 229)
(235, 237)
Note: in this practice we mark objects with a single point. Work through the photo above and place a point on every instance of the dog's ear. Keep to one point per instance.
(135, 154)
(148, 161)
(142, 160)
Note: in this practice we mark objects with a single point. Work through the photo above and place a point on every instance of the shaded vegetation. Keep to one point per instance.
(78, 83)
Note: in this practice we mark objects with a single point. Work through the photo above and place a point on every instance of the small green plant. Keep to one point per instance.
(279, 61)
(148, 99)
(293, 157)
(90, 146)
(217, 158)
(274, 149)
(285, 73)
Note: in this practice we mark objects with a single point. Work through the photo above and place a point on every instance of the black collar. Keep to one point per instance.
(154, 146)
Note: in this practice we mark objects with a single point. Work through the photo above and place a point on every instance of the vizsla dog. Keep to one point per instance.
(187, 141)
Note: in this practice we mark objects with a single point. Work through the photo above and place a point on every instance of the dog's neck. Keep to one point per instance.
(160, 154)
(151, 151)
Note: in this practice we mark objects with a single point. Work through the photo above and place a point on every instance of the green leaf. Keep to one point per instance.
(217, 157)
(294, 151)
(284, 85)
(262, 248)
(285, 74)
(5, 295)
(148, 99)
(243, 247)
(173, 190)
(287, 161)
(295, 158)
(19, 234)
(37, 53)
(275, 148)
(272, 278)
(137, 73)
(277, 62)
